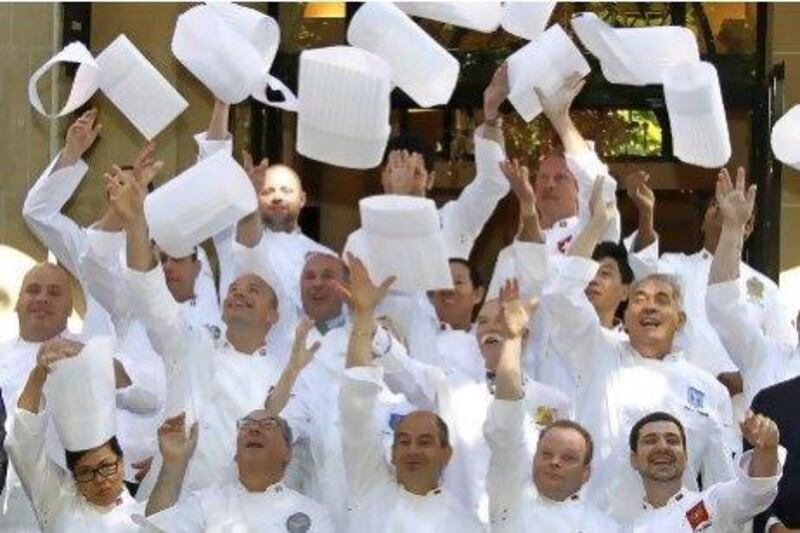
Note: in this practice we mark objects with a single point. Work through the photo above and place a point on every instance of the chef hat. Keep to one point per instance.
(127, 78)
(697, 115)
(403, 238)
(227, 47)
(786, 138)
(137, 88)
(343, 106)
(421, 67)
(478, 16)
(635, 56)
(81, 396)
(526, 19)
(545, 63)
(208, 197)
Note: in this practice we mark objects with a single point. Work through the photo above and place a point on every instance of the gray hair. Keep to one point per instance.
(667, 279)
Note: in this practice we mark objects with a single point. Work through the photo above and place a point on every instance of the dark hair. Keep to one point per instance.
(441, 426)
(286, 431)
(658, 416)
(413, 143)
(73, 457)
(569, 424)
(474, 275)
(619, 254)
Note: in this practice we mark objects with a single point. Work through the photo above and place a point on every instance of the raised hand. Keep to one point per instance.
(601, 211)
(360, 293)
(146, 166)
(81, 135)
(125, 195)
(556, 107)
(142, 469)
(518, 178)
(760, 431)
(734, 203)
(301, 353)
(495, 92)
(256, 173)
(404, 173)
(514, 313)
(640, 194)
(55, 350)
(175, 445)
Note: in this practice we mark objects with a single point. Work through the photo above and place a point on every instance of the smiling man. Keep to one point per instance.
(621, 378)
(658, 453)
(257, 501)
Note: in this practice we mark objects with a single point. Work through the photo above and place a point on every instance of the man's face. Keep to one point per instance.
(260, 445)
(44, 304)
(250, 303)
(490, 333)
(556, 190)
(281, 198)
(660, 453)
(180, 275)
(454, 306)
(417, 451)
(319, 287)
(606, 291)
(558, 465)
(653, 316)
(101, 490)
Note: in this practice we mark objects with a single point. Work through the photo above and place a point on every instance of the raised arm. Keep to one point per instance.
(250, 229)
(644, 199)
(756, 484)
(302, 354)
(579, 154)
(602, 214)
(45, 200)
(176, 446)
(363, 451)
(736, 208)
(463, 219)
(509, 465)
(41, 478)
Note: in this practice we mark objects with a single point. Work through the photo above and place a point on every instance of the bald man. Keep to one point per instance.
(410, 498)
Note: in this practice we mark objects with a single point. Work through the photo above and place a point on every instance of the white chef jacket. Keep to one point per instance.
(699, 339)
(378, 502)
(17, 360)
(103, 265)
(231, 508)
(722, 508)
(59, 505)
(516, 505)
(762, 359)
(324, 476)
(207, 377)
(68, 241)
(462, 219)
(618, 387)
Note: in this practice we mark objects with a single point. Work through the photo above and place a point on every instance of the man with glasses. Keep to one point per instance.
(258, 501)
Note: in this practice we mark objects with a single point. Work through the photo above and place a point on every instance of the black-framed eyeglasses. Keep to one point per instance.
(105, 470)
(268, 424)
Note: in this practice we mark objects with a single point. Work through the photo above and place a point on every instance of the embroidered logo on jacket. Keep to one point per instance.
(698, 516)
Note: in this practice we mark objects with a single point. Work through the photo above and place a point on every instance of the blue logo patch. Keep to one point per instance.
(696, 398)
(394, 420)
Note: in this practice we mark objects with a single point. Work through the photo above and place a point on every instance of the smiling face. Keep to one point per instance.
(44, 303)
(654, 315)
(455, 306)
(556, 190)
(261, 446)
(281, 198)
(560, 467)
(660, 453)
(250, 303)
(102, 490)
(418, 453)
(319, 286)
(490, 333)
